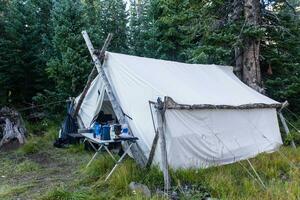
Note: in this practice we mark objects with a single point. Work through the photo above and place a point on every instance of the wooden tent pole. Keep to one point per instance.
(95, 68)
(160, 110)
(282, 119)
(155, 140)
(152, 150)
(286, 128)
(135, 149)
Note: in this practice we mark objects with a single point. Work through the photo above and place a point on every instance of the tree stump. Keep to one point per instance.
(12, 126)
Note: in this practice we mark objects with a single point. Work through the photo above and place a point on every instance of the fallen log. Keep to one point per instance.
(12, 126)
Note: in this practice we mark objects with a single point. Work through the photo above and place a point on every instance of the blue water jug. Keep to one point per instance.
(105, 132)
(97, 130)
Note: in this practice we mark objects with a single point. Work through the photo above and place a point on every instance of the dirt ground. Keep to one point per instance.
(29, 176)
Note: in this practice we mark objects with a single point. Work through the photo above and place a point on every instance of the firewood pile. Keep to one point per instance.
(12, 127)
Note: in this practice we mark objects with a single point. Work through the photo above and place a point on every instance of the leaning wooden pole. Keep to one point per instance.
(283, 122)
(94, 71)
(135, 149)
(160, 110)
(286, 128)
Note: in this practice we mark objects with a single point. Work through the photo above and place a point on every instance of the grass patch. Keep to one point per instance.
(27, 166)
(33, 145)
(36, 144)
(78, 148)
(63, 194)
(97, 170)
(276, 170)
(7, 191)
(223, 182)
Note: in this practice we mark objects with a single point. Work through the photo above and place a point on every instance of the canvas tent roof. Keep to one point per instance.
(188, 83)
(194, 137)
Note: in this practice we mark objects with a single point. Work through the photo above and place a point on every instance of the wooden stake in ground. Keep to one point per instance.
(13, 126)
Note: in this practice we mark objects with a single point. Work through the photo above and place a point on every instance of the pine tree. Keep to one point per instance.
(3, 13)
(21, 45)
(143, 33)
(113, 17)
(69, 65)
(135, 38)
(95, 29)
(168, 24)
(44, 47)
(281, 54)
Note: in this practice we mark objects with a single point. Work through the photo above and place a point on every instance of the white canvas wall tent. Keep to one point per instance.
(210, 116)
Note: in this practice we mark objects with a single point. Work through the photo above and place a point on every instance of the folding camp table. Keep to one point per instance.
(103, 144)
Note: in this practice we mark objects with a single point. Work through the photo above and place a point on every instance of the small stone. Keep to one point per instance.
(138, 187)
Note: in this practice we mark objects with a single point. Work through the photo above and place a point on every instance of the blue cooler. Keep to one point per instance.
(105, 132)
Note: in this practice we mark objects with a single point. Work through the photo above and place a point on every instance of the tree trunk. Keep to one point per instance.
(13, 126)
(247, 67)
(251, 67)
(238, 51)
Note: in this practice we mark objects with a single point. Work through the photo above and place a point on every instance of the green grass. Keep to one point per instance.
(281, 179)
(8, 191)
(225, 182)
(33, 145)
(39, 171)
(26, 166)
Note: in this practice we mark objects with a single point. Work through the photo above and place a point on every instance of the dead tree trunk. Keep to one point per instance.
(251, 66)
(12, 125)
(247, 50)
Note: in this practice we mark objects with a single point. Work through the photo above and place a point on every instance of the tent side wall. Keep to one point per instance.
(92, 102)
(202, 138)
